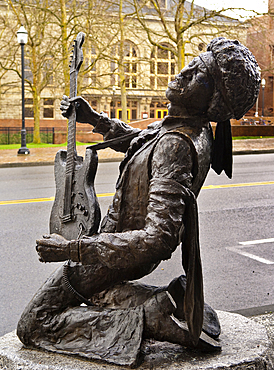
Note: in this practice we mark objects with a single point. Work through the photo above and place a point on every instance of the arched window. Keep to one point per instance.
(89, 71)
(28, 70)
(162, 67)
(130, 65)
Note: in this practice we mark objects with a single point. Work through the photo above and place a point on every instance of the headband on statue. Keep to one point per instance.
(222, 148)
(236, 77)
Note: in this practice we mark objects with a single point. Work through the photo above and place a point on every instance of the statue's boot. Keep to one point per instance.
(211, 324)
(162, 325)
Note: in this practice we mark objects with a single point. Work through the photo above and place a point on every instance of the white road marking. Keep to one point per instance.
(261, 241)
(239, 249)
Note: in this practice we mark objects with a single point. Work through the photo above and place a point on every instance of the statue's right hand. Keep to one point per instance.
(65, 106)
(84, 112)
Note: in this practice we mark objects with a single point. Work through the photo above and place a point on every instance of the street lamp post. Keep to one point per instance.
(257, 107)
(263, 86)
(113, 105)
(22, 38)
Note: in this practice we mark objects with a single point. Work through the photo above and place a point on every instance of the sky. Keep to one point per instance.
(257, 5)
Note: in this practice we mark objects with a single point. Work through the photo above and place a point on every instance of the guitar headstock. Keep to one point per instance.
(77, 55)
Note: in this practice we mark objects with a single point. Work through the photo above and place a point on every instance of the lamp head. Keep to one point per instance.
(22, 35)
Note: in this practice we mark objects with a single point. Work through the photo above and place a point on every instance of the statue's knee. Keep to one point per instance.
(157, 315)
(24, 327)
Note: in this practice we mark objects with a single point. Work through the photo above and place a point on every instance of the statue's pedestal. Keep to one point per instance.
(245, 345)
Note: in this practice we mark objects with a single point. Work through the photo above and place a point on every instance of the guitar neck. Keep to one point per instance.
(71, 146)
(76, 62)
(71, 151)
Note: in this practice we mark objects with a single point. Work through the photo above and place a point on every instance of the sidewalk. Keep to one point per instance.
(45, 156)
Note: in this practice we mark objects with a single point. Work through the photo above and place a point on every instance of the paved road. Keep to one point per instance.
(231, 212)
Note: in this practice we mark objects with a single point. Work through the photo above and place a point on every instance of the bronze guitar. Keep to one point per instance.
(75, 210)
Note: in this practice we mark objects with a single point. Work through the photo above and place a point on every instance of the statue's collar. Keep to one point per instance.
(172, 122)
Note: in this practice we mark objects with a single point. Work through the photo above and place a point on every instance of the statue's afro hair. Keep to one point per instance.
(237, 81)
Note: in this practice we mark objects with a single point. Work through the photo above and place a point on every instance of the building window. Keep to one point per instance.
(28, 71)
(158, 109)
(130, 65)
(271, 53)
(89, 71)
(202, 46)
(48, 108)
(116, 109)
(93, 104)
(48, 71)
(270, 83)
(162, 67)
(29, 108)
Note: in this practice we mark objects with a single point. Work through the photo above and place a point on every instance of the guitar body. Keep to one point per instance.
(85, 212)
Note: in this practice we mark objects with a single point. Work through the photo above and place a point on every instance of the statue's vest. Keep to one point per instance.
(128, 210)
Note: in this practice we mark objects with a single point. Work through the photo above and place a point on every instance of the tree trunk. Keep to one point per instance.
(121, 64)
(36, 97)
(36, 113)
(64, 41)
(181, 53)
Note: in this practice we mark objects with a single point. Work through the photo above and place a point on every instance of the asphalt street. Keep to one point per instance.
(236, 235)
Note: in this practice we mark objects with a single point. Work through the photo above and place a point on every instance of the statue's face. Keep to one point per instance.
(192, 87)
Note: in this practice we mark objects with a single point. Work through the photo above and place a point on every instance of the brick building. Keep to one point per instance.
(260, 40)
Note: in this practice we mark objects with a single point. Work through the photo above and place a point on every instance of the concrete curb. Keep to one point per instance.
(253, 151)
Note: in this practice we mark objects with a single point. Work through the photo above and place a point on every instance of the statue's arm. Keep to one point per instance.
(113, 128)
(109, 128)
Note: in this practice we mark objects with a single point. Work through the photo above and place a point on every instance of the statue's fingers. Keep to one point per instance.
(41, 259)
(40, 255)
(46, 236)
(65, 103)
(39, 243)
(64, 108)
(75, 98)
(39, 247)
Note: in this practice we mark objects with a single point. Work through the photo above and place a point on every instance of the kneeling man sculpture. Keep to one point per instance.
(153, 212)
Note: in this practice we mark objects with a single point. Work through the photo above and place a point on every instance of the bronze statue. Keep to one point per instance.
(153, 211)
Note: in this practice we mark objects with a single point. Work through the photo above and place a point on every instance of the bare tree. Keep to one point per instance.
(182, 27)
(8, 54)
(39, 50)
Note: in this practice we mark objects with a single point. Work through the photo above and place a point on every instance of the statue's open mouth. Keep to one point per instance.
(174, 85)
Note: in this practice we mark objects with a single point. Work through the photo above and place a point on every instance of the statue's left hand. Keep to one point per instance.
(53, 248)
